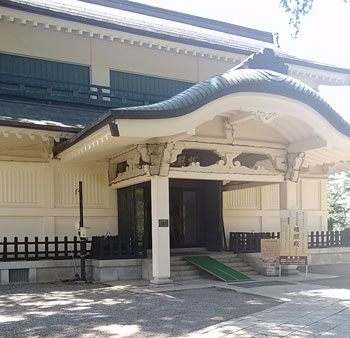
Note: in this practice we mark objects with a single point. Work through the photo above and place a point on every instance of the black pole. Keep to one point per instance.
(82, 239)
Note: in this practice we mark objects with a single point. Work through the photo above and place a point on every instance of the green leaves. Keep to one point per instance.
(338, 201)
(296, 9)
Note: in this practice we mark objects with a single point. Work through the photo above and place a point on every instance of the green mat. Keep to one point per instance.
(217, 269)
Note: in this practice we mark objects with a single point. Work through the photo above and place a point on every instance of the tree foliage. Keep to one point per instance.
(339, 201)
(296, 10)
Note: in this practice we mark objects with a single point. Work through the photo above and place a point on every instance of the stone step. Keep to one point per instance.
(220, 255)
(215, 255)
(178, 262)
(250, 273)
(191, 277)
(187, 273)
(182, 267)
(244, 268)
(235, 265)
(228, 259)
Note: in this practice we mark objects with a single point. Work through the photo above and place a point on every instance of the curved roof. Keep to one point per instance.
(230, 82)
(236, 81)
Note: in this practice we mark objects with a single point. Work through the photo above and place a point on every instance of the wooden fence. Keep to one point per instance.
(100, 247)
(117, 247)
(16, 250)
(249, 242)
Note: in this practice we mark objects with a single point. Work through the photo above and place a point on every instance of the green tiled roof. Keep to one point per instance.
(236, 81)
(44, 115)
(230, 82)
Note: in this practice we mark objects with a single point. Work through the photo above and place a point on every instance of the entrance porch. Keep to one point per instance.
(246, 129)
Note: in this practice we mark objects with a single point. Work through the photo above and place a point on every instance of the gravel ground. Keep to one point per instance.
(94, 310)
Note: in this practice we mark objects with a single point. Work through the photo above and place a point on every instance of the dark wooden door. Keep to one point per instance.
(212, 215)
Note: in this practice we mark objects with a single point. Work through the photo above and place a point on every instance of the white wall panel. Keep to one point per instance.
(315, 223)
(94, 187)
(19, 185)
(271, 197)
(243, 199)
(21, 227)
(310, 194)
(242, 224)
(257, 209)
(270, 224)
(64, 226)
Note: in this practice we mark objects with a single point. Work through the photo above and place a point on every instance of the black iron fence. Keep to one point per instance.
(117, 247)
(100, 247)
(250, 242)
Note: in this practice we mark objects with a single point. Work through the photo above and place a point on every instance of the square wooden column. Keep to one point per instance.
(288, 195)
(160, 230)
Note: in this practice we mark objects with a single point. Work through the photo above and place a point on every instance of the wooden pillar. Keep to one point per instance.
(160, 230)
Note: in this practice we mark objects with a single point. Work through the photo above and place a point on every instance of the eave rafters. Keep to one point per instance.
(48, 23)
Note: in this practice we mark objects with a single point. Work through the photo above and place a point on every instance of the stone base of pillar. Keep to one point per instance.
(161, 281)
(289, 270)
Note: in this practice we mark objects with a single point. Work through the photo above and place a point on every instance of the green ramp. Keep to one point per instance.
(217, 269)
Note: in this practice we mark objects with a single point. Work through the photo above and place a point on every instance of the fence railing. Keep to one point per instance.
(117, 247)
(52, 90)
(250, 242)
(16, 250)
(99, 247)
(327, 239)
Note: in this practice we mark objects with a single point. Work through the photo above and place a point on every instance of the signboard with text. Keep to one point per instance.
(294, 237)
(270, 251)
(270, 248)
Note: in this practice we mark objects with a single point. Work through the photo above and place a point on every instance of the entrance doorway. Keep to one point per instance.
(195, 214)
(183, 212)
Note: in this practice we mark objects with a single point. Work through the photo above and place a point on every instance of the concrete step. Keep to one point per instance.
(235, 265)
(187, 273)
(190, 277)
(251, 273)
(228, 259)
(215, 255)
(178, 262)
(182, 267)
(220, 255)
(176, 258)
(244, 268)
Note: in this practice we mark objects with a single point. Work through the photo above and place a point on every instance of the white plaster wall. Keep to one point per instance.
(40, 200)
(257, 209)
(103, 55)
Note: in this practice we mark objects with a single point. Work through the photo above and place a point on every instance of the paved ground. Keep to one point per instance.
(294, 306)
(94, 310)
(316, 306)
(341, 270)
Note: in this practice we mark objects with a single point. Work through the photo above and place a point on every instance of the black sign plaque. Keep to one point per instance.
(163, 223)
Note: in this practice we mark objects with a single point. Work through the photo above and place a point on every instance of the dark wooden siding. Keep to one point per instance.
(141, 89)
(44, 69)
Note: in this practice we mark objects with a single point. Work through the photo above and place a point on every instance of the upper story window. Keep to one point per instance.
(44, 81)
(135, 89)
(43, 69)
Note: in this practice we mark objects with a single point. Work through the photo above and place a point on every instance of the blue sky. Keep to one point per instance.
(323, 37)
